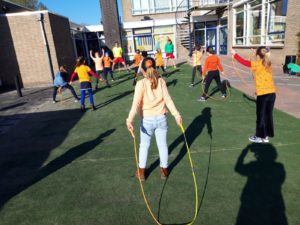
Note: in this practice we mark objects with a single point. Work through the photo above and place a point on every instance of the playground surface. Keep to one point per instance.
(61, 166)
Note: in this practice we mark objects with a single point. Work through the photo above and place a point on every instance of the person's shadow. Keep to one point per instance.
(261, 201)
(192, 132)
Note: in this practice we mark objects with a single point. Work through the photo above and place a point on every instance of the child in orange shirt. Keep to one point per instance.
(213, 68)
(159, 60)
(107, 68)
(265, 91)
(136, 63)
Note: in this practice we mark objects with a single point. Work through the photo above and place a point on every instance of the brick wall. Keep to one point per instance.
(63, 44)
(25, 52)
(292, 27)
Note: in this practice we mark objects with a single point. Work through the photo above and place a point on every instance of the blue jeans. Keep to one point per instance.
(82, 96)
(159, 126)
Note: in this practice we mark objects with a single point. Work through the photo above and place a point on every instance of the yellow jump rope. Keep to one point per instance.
(193, 173)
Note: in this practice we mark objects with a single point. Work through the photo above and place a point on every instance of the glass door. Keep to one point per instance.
(223, 40)
(211, 38)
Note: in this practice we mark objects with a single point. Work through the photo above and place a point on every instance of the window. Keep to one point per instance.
(255, 25)
(260, 24)
(240, 17)
(157, 6)
(162, 6)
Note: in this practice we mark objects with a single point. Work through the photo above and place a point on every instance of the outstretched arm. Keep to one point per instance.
(72, 77)
(240, 59)
(94, 75)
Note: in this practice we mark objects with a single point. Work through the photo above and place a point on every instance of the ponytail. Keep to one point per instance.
(153, 76)
(264, 54)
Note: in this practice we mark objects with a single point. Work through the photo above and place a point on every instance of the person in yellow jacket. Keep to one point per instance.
(197, 55)
(159, 60)
(265, 92)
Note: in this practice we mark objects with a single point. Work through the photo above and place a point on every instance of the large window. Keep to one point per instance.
(260, 22)
(157, 6)
(146, 39)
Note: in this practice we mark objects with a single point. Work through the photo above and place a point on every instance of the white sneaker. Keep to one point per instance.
(223, 96)
(191, 85)
(201, 99)
(54, 102)
(255, 139)
(75, 100)
(266, 139)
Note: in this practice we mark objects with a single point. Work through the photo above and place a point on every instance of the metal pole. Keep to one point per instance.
(41, 20)
(190, 30)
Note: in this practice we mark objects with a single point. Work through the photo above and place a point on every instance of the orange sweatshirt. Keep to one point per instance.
(151, 102)
(212, 63)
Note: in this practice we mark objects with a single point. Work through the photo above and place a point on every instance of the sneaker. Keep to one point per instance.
(112, 80)
(266, 139)
(223, 96)
(54, 101)
(175, 67)
(255, 139)
(93, 107)
(191, 85)
(201, 99)
(75, 100)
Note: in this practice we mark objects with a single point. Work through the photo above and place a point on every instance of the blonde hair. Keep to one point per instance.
(153, 76)
(264, 55)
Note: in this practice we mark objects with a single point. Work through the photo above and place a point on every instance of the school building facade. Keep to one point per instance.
(222, 24)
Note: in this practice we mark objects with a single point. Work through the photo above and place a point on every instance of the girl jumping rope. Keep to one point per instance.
(151, 98)
(265, 92)
(83, 72)
(212, 66)
(159, 60)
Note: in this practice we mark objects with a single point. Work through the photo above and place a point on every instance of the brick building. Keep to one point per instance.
(23, 49)
(222, 24)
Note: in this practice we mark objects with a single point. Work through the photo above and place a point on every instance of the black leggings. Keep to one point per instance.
(213, 75)
(163, 69)
(264, 115)
(195, 69)
(68, 86)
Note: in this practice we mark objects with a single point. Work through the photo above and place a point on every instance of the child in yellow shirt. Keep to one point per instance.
(159, 60)
(265, 92)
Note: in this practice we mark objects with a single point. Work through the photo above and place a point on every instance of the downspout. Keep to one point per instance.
(41, 20)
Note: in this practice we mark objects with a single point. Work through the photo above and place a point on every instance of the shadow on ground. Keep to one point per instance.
(27, 146)
(261, 200)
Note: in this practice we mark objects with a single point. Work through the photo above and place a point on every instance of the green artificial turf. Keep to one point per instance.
(63, 167)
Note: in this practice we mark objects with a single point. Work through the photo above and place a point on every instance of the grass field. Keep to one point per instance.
(62, 167)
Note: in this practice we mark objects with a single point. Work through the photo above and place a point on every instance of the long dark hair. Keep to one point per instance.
(80, 61)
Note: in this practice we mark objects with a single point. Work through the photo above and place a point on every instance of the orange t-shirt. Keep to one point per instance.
(137, 59)
(264, 83)
(212, 63)
(107, 62)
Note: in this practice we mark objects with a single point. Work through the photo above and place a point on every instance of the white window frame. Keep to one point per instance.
(264, 26)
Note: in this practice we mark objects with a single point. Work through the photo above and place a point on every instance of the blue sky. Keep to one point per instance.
(77, 10)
